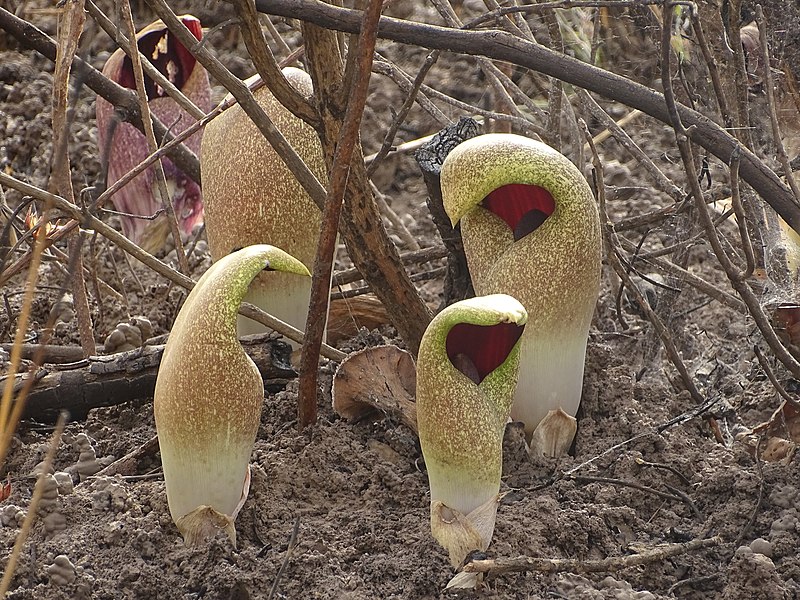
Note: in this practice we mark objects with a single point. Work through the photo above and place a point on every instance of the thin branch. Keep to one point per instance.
(611, 252)
(605, 565)
(786, 356)
(623, 139)
(398, 120)
(340, 170)
(152, 144)
(769, 84)
(416, 257)
(91, 222)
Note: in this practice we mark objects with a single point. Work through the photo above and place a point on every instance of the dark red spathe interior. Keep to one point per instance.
(486, 346)
(522, 206)
(176, 53)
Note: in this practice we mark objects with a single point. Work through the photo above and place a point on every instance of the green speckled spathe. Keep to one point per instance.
(251, 197)
(461, 424)
(209, 393)
(554, 271)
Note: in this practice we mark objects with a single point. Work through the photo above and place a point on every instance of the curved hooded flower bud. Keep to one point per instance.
(208, 397)
(252, 197)
(531, 229)
(466, 375)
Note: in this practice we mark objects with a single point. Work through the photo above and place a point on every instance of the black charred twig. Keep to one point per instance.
(430, 157)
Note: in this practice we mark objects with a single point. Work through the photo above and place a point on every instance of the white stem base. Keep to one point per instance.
(550, 376)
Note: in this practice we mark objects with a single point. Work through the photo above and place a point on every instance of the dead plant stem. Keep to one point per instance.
(769, 88)
(340, 170)
(144, 107)
(611, 247)
(610, 564)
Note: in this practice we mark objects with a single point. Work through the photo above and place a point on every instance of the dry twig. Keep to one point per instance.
(611, 564)
(361, 55)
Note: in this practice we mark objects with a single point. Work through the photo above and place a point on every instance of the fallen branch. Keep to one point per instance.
(571, 565)
(119, 378)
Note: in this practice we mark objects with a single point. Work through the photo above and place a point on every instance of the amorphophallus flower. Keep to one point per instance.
(252, 197)
(466, 375)
(531, 229)
(208, 397)
(122, 146)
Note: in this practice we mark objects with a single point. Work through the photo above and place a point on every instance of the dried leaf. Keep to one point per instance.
(383, 379)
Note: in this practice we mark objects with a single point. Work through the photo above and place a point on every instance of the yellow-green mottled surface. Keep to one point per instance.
(209, 393)
(461, 424)
(250, 195)
(554, 271)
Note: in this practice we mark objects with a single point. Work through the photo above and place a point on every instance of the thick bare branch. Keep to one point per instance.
(504, 46)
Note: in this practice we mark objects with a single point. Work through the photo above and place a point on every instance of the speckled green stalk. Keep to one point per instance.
(554, 271)
(209, 394)
(461, 424)
(251, 197)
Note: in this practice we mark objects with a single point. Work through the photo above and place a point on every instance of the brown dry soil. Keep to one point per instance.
(359, 491)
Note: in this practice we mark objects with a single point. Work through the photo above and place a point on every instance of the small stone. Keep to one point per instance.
(761, 546)
(65, 483)
(62, 571)
(54, 522)
(11, 516)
